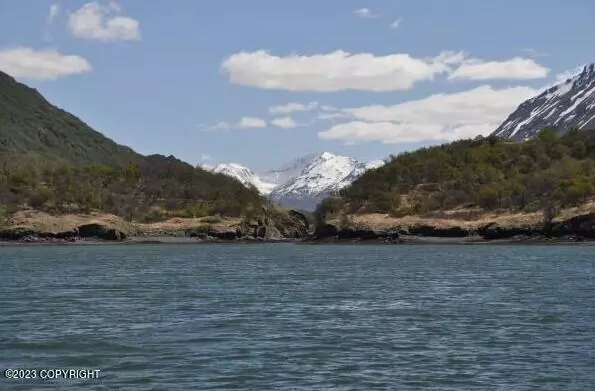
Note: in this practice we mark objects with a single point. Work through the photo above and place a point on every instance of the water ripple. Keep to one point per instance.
(301, 317)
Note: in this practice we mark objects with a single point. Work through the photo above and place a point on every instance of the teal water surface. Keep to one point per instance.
(283, 316)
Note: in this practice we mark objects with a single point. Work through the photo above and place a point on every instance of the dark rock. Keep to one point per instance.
(493, 231)
(360, 234)
(99, 231)
(300, 217)
(199, 235)
(66, 235)
(260, 231)
(329, 231)
(324, 231)
(224, 235)
(430, 231)
(581, 226)
(17, 234)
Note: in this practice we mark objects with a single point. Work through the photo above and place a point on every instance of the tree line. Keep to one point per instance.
(547, 171)
(150, 188)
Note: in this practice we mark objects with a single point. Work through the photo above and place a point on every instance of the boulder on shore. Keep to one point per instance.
(98, 231)
(493, 231)
(582, 226)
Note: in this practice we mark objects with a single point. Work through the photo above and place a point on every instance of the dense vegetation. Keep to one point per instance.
(151, 190)
(549, 171)
(52, 161)
(31, 126)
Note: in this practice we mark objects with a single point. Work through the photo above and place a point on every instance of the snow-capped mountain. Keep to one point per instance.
(303, 182)
(323, 175)
(568, 104)
(244, 175)
(289, 170)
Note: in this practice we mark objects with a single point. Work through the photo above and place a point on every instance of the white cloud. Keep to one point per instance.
(243, 123)
(366, 13)
(332, 114)
(220, 126)
(53, 13)
(41, 65)
(205, 156)
(251, 122)
(95, 21)
(335, 71)
(293, 107)
(517, 68)
(396, 24)
(285, 123)
(441, 117)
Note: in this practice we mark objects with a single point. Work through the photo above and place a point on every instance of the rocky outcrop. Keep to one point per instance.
(206, 233)
(98, 231)
(87, 231)
(493, 231)
(583, 227)
(327, 232)
(578, 228)
(437, 232)
(17, 234)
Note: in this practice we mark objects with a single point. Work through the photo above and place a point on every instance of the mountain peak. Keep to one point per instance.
(244, 175)
(303, 182)
(568, 104)
(322, 176)
(327, 155)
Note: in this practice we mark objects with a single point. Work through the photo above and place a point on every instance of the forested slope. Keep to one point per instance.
(549, 171)
(52, 161)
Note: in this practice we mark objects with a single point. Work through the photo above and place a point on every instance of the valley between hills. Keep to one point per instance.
(533, 179)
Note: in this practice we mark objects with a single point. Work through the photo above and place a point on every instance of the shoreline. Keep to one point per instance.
(411, 241)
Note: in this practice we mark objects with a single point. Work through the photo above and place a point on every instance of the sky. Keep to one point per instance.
(262, 82)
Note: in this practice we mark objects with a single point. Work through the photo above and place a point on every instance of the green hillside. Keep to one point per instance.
(52, 161)
(549, 171)
(30, 125)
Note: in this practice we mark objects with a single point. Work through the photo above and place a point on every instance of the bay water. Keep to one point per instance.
(300, 317)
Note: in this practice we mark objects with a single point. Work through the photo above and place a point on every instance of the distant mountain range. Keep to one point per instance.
(303, 182)
(566, 105)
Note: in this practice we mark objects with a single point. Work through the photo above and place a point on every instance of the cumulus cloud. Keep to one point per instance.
(335, 71)
(293, 107)
(339, 70)
(517, 68)
(285, 123)
(103, 22)
(441, 117)
(41, 65)
(366, 13)
(243, 123)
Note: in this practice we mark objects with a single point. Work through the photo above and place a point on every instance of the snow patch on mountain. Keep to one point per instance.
(245, 176)
(323, 175)
(303, 182)
(570, 103)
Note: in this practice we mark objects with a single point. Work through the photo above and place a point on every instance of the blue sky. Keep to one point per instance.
(262, 82)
